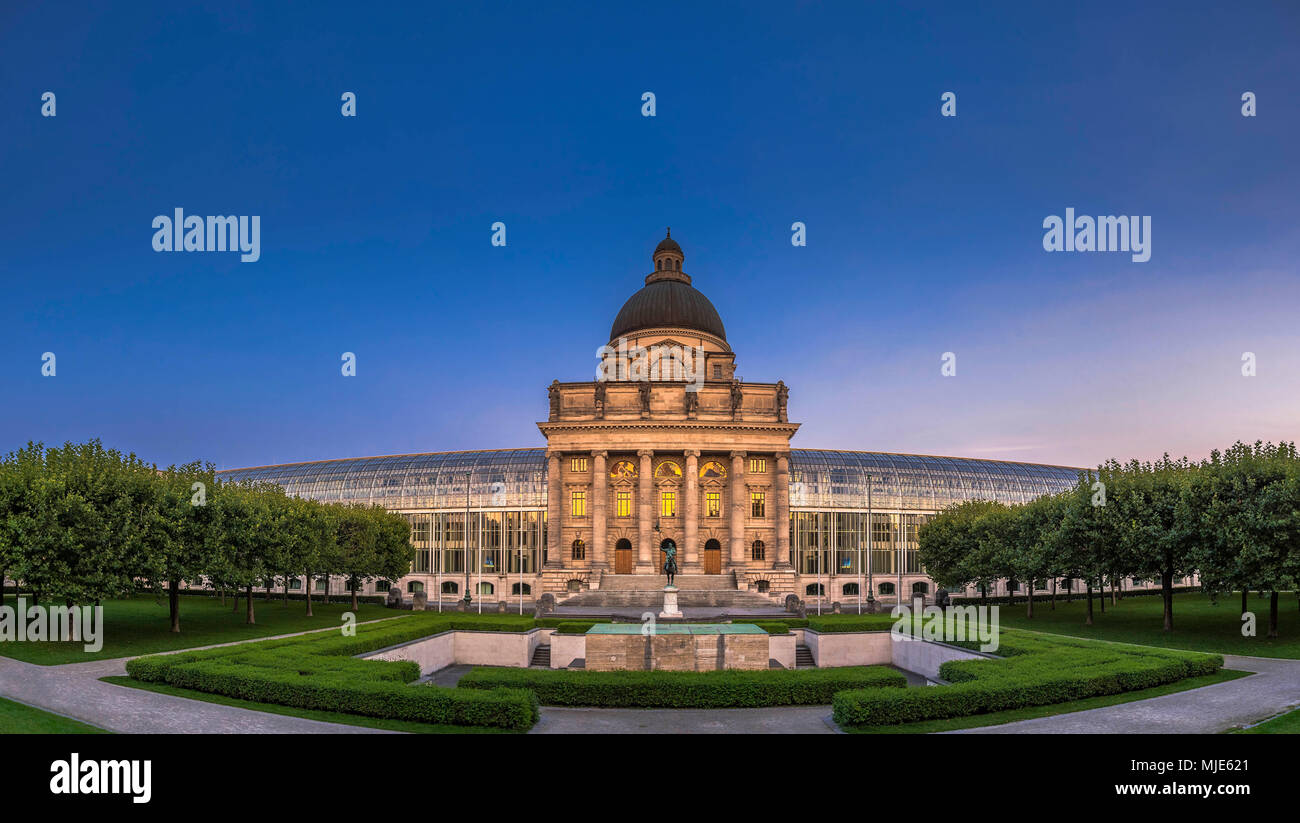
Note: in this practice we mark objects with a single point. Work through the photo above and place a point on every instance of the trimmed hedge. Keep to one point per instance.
(576, 626)
(686, 690)
(319, 671)
(1035, 671)
(773, 628)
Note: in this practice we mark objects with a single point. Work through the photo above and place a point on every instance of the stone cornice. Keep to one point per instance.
(696, 425)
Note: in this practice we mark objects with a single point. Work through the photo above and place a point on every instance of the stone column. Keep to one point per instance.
(599, 504)
(554, 511)
(738, 501)
(691, 511)
(782, 511)
(645, 513)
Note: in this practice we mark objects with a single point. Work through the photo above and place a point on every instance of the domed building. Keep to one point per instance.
(667, 451)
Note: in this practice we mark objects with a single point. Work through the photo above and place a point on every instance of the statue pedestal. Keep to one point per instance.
(670, 603)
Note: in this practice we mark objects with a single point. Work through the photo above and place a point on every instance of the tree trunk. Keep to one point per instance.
(326, 599)
(1088, 622)
(268, 591)
(1101, 583)
(286, 589)
(308, 590)
(1113, 598)
(222, 590)
(174, 602)
(1272, 614)
(354, 596)
(1167, 594)
(1053, 594)
(1029, 589)
(984, 595)
(235, 592)
(248, 597)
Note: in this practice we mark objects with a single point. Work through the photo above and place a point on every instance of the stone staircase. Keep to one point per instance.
(693, 590)
(803, 658)
(541, 658)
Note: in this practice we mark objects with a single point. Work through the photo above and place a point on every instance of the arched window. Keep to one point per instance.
(763, 586)
(886, 588)
(573, 585)
(814, 589)
(758, 551)
(414, 586)
(520, 588)
(920, 587)
(450, 587)
(382, 585)
(850, 589)
(579, 550)
(712, 469)
(668, 469)
(486, 588)
(295, 584)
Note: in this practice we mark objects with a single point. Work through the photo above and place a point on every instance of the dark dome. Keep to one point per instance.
(668, 244)
(668, 303)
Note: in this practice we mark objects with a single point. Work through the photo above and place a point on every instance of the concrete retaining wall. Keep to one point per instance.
(925, 656)
(466, 648)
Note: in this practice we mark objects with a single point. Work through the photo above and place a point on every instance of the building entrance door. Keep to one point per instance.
(623, 557)
(713, 557)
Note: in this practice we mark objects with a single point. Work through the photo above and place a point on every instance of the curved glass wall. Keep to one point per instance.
(497, 479)
(503, 494)
(823, 479)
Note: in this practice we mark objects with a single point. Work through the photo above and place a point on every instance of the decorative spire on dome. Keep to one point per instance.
(668, 257)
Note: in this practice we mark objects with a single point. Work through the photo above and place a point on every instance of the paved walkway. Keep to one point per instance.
(75, 690)
(1275, 687)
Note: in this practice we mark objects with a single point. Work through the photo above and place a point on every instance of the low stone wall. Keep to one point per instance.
(566, 648)
(676, 652)
(780, 647)
(466, 648)
(830, 649)
(926, 656)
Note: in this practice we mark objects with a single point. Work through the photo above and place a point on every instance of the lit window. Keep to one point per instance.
(623, 504)
(623, 469)
(580, 464)
(713, 504)
(579, 504)
(757, 504)
(668, 504)
(758, 465)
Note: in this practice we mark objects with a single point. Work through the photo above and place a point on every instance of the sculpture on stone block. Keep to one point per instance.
(669, 548)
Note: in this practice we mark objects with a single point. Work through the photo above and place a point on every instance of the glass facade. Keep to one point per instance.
(505, 494)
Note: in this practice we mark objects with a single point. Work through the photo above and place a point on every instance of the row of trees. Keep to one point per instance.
(1233, 519)
(83, 523)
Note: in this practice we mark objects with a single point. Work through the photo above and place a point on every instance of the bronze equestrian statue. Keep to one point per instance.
(670, 560)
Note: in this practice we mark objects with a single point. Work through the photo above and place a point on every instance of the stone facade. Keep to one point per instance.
(693, 455)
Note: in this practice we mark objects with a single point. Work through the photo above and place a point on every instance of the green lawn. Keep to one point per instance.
(998, 718)
(140, 625)
(1288, 723)
(310, 714)
(18, 718)
(1199, 625)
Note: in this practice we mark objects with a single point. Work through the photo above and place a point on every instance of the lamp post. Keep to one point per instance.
(465, 532)
(868, 549)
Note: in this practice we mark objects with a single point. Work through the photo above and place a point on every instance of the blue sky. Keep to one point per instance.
(924, 232)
